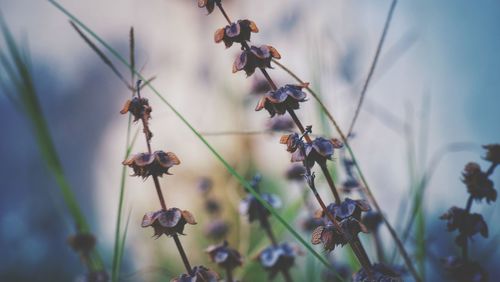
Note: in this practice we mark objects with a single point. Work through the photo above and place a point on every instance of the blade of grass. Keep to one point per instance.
(372, 67)
(228, 167)
(27, 98)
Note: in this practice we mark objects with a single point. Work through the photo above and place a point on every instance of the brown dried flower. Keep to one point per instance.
(277, 258)
(492, 153)
(208, 4)
(478, 184)
(284, 98)
(330, 237)
(225, 256)
(199, 274)
(467, 224)
(318, 151)
(380, 273)
(154, 164)
(237, 32)
(168, 222)
(138, 107)
(255, 57)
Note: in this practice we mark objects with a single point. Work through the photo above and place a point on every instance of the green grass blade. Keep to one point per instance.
(21, 79)
(229, 168)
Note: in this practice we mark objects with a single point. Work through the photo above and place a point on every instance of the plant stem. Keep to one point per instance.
(331, 184)
(183, 254)
(491, 169)
(378, 246)
(465, 253)
(229, 274)
(362, 256)
(286, 275)
(160, 194)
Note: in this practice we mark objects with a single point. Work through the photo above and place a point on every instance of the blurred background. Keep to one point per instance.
(436, 84)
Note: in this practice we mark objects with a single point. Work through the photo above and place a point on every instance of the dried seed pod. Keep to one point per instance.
(464, 271)
(237, 32)
(138, 107)
(478, 184)
(82, 242)
(348, 208)
(284, 98)
(251, 207)
(154, 164)
(467, 224)
(318, 151)
(255, 57)
(168, 222)
(199, 274)
(225, 256)
(380, 273)
(208, 4)
(277, 258)
(330, 237)
(492, 153)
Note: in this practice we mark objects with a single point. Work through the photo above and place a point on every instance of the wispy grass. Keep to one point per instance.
(230, 169)
(16, 65)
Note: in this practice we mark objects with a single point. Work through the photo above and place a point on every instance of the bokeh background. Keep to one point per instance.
(436, 83)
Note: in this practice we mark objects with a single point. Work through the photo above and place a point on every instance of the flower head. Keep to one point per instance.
(492, 153)
(478, 184)
(277, 258)
(467, 224)
(237, 32)
(199, 274)
(284, 98)
(461, 270)
(381, 273)
(138, 107)
(168, 222)
(255, 57)
(154, 164)
(348, 208)
(328, 235)
(251, 207)
(318, 151)
(208, 4)
(225, 256)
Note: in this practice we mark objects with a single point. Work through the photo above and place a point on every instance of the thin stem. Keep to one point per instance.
(229, 274)
(372, 67)
(491, 169)
(160, 194)
(286, 275)
(183, 254)
(219, 5)
(331, 184)
(465, 253)
(362, 256)
(378, 246)
(264, 222)
(297, 122)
